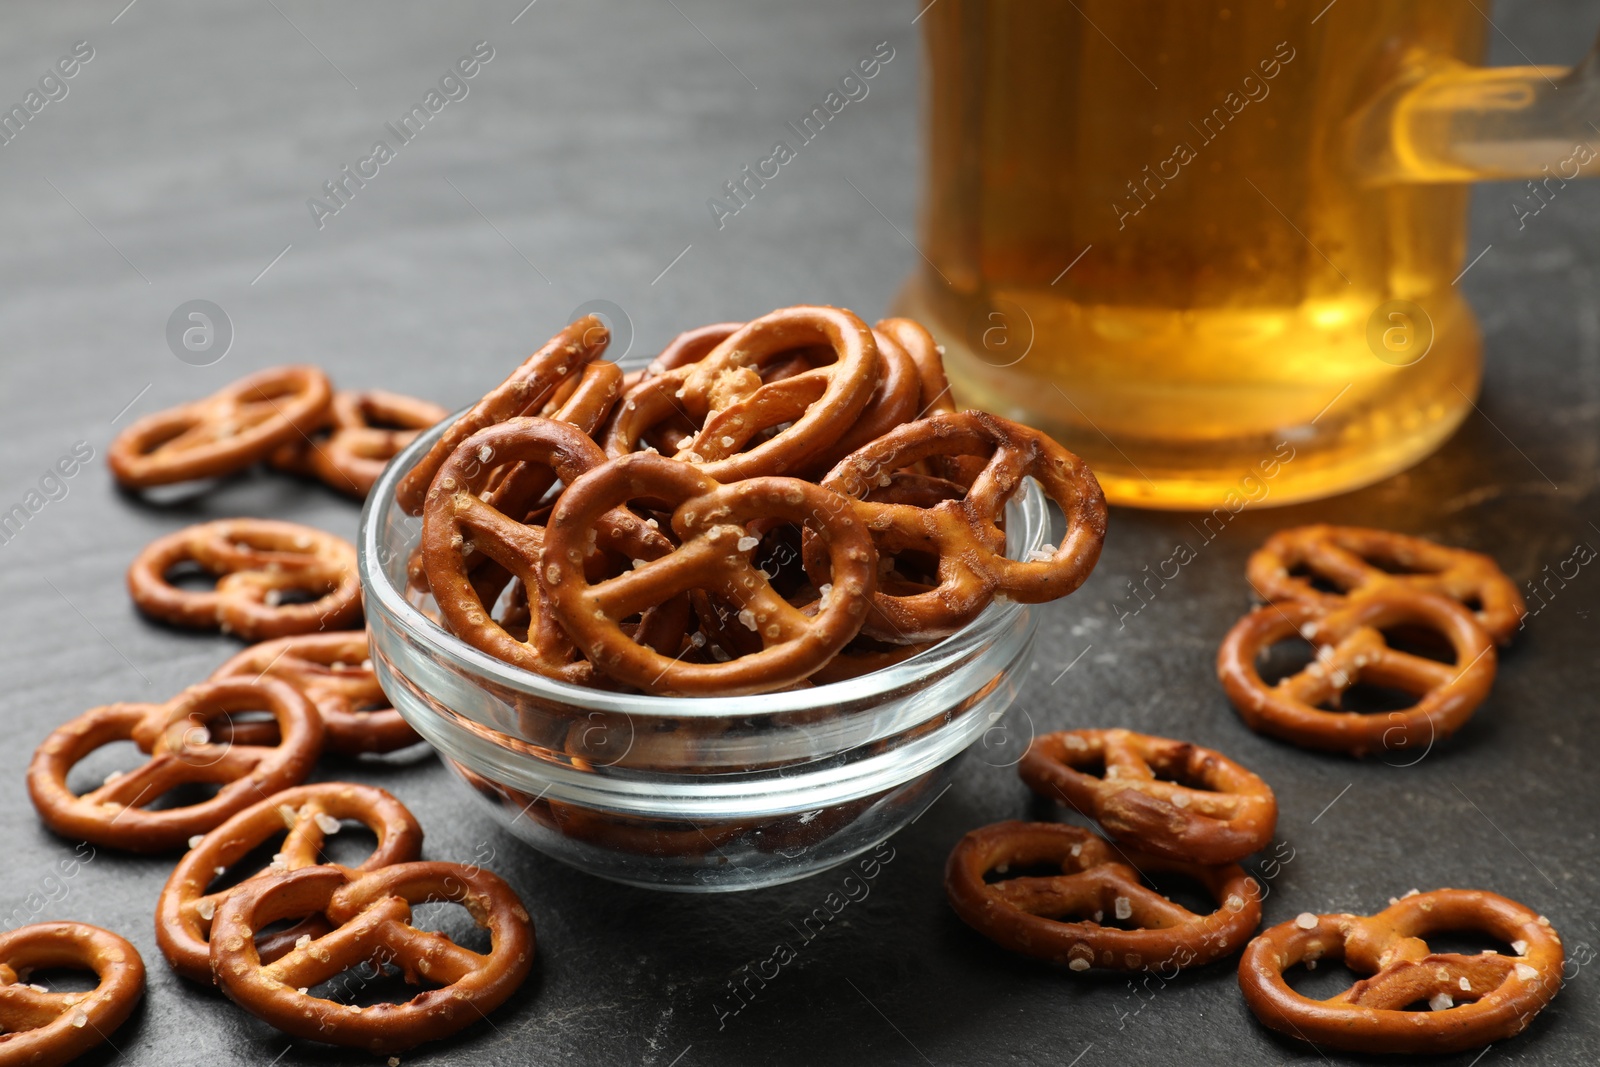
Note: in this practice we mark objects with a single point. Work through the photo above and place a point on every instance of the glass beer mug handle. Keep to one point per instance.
(1451, 122)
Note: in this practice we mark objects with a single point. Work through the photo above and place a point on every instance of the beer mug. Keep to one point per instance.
(1213, 246)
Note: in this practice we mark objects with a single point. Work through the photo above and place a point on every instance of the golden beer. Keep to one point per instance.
(1190, 238)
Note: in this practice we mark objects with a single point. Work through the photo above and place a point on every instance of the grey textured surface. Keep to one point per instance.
(576, 170)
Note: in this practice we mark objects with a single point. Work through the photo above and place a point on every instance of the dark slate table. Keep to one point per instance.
(576, 169)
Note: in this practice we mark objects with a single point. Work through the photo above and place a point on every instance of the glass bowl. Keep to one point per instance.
(690, 794)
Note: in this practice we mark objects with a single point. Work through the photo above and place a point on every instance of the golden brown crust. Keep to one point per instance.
(370, 919)
(525, 392)
(256, 562)
(1351, 647)
(46, 1029)
(335, 672)
(365, 431)
(714, 554)
(1475, 999)
(458, 523)
(181, 751)
(308, 813)
(223, 433)
(965, 533)
(1066, 918)
(1357, 559)
(736, 424)
(1161, 796)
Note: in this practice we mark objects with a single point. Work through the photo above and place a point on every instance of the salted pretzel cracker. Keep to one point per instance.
(584, 400)
(335, 672)
(365, 431)
(675, 425)
(1161, 796)
(182, 752)
(691, 346)
(1060, 917)
(714, 554)
(45, 1028)
(1351, 647)
(257, 562)
(809, 410)
(965, 534)
(525, 392)
(895, 400)
(307, 814)
(1475, 999)
(226, 432)
(369, 914)
(456, 515)
(1357, 560)
(745, 426)
(934, 388)
(935, 395)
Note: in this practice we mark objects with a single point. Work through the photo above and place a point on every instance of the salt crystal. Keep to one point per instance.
(485, 453)
(302, 941)
(1078, 964)
(273, 598)
(1234, 902)
(1466, 986)
(1526, 973)
(747, 543)
(1410, 893)
(1077, 850)
(327, 823)
(113, 776)
(206, 909)
(217, 872)
(697, 639)
(1306, 921)
(37, 988)
(280, 862)
(727, 442)
(653, 524)
(289, 816)
(1180, 800)
(1519, 947)
(1124, 907)
(1441, 1001)
(79, 1019)
(194, 842)
(394, 1061)
(748, 619)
